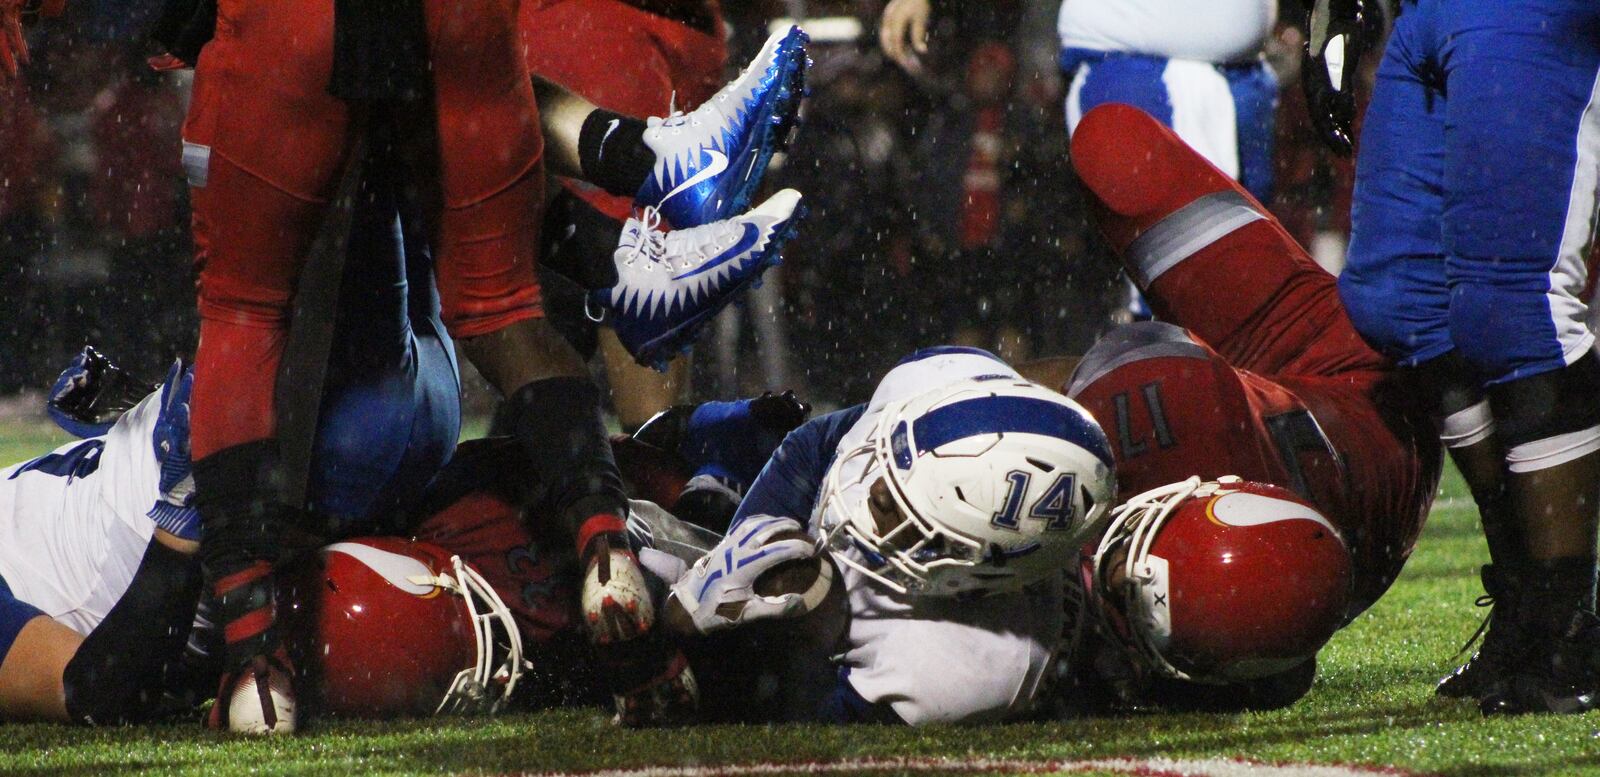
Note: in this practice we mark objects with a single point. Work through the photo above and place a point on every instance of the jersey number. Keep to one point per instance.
(1055, 507)
(1158, 422)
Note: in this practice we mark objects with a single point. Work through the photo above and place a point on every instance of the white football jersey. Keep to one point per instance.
(1203, 30)
(74, 523)
(941, 659)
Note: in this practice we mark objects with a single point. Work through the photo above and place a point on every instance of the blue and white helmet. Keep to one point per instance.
(1001, 482)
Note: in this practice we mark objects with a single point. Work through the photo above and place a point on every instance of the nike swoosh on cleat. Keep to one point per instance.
(751, 235)
(610, 128)
(719, 162)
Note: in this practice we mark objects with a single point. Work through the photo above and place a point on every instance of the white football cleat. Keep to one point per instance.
(709, 161)
(262, 701)
(670, 284)
(616, 601)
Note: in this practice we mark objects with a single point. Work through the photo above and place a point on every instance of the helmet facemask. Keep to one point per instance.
(1123, 606)
(484, 688)
(916, 555)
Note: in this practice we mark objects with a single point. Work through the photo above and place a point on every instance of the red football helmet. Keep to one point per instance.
(1221, 581)
(383, 627)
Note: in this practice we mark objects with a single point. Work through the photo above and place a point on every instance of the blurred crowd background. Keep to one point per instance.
(942, 206)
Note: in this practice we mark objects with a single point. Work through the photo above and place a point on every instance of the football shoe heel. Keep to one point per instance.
(1560, 675)
(1503, 642)
(259, 699)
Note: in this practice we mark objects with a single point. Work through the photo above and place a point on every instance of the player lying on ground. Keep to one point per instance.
(389, 422)
(1260, 375)
(264, 146)
(943, 511)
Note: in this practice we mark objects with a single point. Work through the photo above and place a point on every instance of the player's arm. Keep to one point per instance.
(790, 482)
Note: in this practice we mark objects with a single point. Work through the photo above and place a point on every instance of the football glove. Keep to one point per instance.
(734, 439)
(718, 592)
(1338, 33)
(92, 393)
(174, 510)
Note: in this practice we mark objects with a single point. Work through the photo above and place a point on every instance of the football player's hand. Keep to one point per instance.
(1338, 32)
(174, 511)
(780, 412)
(92, 393)
(718, 592)
(903, 34)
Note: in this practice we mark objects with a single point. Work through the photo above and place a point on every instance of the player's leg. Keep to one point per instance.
(390, 415)
(1518, 269)
(1395, 290)
(263, 143)
(487, 248)
(633, 63)
(33, 652)
(1208, 256)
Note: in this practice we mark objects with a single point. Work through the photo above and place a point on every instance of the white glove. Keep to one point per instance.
(718, 591)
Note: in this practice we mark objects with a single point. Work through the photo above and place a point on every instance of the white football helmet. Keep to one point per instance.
(1000, 482)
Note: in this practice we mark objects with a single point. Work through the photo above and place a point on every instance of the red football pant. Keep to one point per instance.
(277, 141)
(1256, 297)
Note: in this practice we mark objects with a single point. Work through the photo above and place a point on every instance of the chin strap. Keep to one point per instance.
(485, 687)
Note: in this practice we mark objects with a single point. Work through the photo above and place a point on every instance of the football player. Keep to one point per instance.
(1258, 375)
(945, 509)
(284, 94)
(1483, 299)
(389, 422)
(97, 576)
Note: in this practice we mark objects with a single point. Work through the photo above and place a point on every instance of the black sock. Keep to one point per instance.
(1558, 587)
(613, 154)
(581, 242)
(557, 422)
(115, 677)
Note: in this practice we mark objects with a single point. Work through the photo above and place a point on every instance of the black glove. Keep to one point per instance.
(1346, 29)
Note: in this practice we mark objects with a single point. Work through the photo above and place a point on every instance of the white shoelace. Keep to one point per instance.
(652, 243)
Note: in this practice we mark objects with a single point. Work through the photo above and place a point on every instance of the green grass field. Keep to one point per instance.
(1372, 706)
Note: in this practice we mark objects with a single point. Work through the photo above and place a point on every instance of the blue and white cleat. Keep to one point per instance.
(709, 161)
(670, 284)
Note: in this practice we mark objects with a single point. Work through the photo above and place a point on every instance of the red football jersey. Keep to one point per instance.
(1260, 374)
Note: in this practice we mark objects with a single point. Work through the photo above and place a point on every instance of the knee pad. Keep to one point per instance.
(1550, 418)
